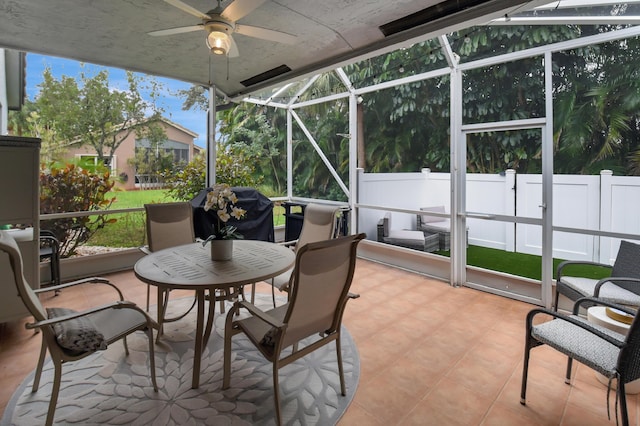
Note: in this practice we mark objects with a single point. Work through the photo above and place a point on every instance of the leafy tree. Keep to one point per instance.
(88, 112)
(71, 188)
(596, 98)
(234, 167)
(258, 133)
(151, 161)
(187, 183)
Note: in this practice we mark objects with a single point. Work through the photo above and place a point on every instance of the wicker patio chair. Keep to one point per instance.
(318, 296)
(624, 289)
(416, 240)
(605, 351)
(69, 335)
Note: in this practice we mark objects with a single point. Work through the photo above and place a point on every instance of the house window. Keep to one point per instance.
(179, 150)
(92, 160)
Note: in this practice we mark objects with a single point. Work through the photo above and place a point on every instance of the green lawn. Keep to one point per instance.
(524, 265)
(128, 228)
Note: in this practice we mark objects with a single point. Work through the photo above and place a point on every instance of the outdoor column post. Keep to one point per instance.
(289, 154)
(211, 139)
(458, 175)
(353, 159)
(547, 185)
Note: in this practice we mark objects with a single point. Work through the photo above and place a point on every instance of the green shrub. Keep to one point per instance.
(71, 188)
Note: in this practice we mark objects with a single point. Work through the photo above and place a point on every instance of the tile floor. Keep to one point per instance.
(430, 355)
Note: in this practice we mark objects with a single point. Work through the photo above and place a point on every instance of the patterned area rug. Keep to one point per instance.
(111, 388)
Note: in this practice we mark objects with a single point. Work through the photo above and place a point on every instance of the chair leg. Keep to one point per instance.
(221, 301)
(567, 379)
(43, 353)
(228, 334)
(555, 300)
(163, 303)
(57, 376)
(623, 403)
(525, 372)
(148, 295)
(276, 393)
(273, 293)
(343, 388)
(152, 359)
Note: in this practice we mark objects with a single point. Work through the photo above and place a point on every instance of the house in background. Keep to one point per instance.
(179, 142)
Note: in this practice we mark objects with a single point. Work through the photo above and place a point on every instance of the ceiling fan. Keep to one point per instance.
(220, 23)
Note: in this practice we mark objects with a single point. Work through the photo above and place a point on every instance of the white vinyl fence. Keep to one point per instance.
(604, 202)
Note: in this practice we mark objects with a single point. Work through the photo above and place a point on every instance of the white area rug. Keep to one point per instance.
(111, 388)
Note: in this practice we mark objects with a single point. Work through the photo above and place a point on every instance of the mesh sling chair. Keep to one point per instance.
(168, 225)
(612, 354)
(70, 335)
(624, 289)
(319, 224)
(318, 296)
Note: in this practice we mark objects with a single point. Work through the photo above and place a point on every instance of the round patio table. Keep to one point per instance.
(189, 267)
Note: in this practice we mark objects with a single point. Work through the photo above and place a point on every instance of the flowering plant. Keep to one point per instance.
(222, 200)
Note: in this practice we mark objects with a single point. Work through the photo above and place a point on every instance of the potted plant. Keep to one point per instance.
(222, 200)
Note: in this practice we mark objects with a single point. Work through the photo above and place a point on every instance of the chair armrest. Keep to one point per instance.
(573, 320)
(596, 290)
(113, 305)
(595, 301)
(562, 265)
(91, 280)
(380, 230)
(289, 243)
(261, 314)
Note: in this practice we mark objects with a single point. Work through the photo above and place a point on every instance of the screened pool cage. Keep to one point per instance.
(462, 94)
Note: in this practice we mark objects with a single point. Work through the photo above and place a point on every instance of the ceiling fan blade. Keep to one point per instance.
(266, 34)
(233, 49)
(239, 9)
(178, 30)
(186, 8)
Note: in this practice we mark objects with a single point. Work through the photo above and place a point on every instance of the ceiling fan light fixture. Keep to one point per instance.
(218, 42)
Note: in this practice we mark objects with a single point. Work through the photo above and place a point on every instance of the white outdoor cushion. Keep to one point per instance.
(609, 292)
(429, 219)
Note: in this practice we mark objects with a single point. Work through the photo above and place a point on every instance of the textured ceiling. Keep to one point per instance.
(329, 33)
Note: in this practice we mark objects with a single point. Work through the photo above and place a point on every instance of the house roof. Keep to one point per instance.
(328, 33)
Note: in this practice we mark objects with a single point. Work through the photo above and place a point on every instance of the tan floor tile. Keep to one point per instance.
(450, 403)
(430, 354)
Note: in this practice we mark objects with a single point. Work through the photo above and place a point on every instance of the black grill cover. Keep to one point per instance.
(256, 225)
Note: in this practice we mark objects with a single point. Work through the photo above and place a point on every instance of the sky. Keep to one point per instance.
(194, 120)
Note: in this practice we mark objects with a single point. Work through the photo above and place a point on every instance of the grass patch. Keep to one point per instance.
(128, 229)
(523, 265)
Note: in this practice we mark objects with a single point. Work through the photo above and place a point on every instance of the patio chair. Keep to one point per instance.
(624, 289)
(169, 225)
(69, 335)
(436, 225)
(416, 240)
(50, 251)
(319, 224)
(611, 354)
(318, 296)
